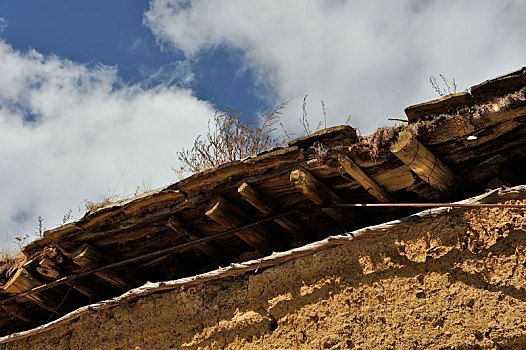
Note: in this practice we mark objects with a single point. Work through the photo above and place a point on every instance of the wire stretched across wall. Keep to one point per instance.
(185, 245)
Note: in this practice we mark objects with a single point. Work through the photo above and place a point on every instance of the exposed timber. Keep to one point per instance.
(229, 216)
(257, 200)
(425, 164)
(358, 174)
(318, 193)
(89, 258)
(494, 196)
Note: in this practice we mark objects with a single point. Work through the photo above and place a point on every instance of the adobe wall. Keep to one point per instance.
(456, 282)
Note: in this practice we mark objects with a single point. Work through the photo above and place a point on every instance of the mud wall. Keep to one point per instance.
(454, 282)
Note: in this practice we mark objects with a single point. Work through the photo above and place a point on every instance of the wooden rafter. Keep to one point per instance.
(89, 258)
(363, 179)
(22, 281)
(189, 233)
(19, 312)
(258, 201)
(319, 194)
(229, 216)
(424, 163)
(49, 268)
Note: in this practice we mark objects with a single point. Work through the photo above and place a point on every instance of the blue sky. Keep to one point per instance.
(96, 97)
(112, 33)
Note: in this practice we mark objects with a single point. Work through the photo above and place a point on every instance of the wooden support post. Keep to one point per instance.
(319, 194)
(358, 174)
(22, 281)
(47, 267)
(229, 216)
(256, 199)
(90, 258)
(185, 230)
(425, 164)
(19, 312)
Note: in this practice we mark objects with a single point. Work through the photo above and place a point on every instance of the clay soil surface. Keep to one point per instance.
(454, 282)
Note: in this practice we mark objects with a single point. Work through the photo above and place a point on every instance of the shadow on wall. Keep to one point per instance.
(453, 281)
(447, 267)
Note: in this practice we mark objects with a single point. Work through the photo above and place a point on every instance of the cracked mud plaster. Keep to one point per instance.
(455, 282)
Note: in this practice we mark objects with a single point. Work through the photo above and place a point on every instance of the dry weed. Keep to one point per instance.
(304, 120)
(450, 87)
(92, 206)
(231, 138)
(9, 262)
(498, 104)
(380, 140)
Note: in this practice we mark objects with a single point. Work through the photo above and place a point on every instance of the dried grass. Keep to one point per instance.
(382, 138)
(9, 263)
(498, 104)
(230, 137)
(92, 206)
(450, 87)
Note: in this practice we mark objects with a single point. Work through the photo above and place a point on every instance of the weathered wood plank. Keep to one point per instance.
(189, 233)
(90, 258)
(363, 179)
(236, 170)
(319, 194)
(499, 85)
(49, 268)
(257, 200)
(22, 281)
(457, 127)
(336, 135)
(229, 216)
(254, 198)
(441, 105)
(19, 312)
(425, 164)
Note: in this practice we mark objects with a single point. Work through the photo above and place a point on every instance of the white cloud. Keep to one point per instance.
(70, 132)
(370, 59)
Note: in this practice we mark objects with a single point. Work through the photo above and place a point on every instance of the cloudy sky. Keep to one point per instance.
(97, 96)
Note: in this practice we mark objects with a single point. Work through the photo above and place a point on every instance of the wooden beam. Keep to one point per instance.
(19, 312)
(90, 258)
(424, 163)
(229, 216)
(49, 268)
(258, 201)
(185, 230)
(255, 198)
(22, 281)
(363, 179)
(319, 194)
